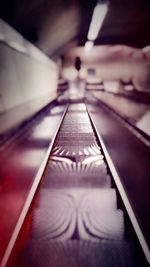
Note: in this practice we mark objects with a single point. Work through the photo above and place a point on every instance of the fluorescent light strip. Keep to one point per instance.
(88, 46)
(146, 49)
(99, 14)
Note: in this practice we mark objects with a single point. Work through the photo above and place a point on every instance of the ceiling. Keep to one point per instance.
(56, 25)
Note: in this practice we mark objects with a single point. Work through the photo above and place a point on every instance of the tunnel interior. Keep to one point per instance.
(74, 133)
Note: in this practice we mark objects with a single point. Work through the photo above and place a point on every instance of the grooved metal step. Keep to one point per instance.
(77, 221)
(74, 253)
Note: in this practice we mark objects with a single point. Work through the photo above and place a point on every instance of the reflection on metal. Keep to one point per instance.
(56, 110)
(86, 215)
(44, 129)
(30, 158)
(76, 92)
(74, 150)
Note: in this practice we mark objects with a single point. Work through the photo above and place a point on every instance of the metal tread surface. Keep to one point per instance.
(77, 221)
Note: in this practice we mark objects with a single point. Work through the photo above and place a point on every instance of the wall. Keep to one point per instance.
(26, 74)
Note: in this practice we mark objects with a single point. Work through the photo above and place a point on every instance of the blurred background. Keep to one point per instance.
(40, 39)
(56, 51)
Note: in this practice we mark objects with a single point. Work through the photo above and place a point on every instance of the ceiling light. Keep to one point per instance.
(88, 46)
(98, 16)
(146, 49)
